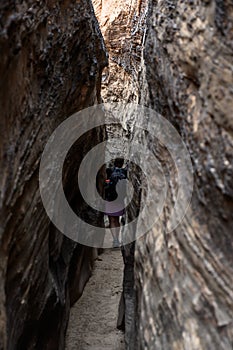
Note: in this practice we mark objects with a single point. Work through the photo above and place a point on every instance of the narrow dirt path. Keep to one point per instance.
(92, 324)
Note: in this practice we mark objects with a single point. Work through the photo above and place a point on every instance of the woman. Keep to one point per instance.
(115, 191)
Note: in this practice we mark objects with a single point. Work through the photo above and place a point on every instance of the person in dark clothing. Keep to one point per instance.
(115, 191)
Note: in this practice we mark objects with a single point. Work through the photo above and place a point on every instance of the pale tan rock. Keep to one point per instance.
(122, 24)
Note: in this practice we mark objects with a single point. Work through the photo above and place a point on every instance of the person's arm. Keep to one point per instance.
(109, 172)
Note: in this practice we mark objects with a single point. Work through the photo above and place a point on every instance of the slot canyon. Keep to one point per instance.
(167, 289)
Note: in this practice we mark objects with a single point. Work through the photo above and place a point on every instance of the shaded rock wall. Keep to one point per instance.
(52, 55)
(184, 278)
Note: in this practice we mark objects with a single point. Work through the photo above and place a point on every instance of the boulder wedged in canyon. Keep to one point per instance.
(183, 278)
(52, 56)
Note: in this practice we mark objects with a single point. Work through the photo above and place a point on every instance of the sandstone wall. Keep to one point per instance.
(122, 25)
(184, 278)
(52, 55)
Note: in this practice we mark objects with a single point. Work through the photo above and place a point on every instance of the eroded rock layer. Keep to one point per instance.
(184, 278)
(52, 55)
(122, 24)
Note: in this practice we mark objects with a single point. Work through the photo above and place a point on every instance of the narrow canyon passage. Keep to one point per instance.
(174, 61)
(93, 319)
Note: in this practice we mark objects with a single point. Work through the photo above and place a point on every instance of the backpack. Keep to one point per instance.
(117, 174)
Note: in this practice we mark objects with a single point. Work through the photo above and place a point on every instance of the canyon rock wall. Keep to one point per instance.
(52, 56)
(180, 65)
(122, 25)
(184, 278)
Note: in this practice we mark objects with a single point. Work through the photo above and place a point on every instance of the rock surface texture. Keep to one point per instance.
(93, 319)
(175, 57)
(52, 56)
(184, 278)
(122, 24)
(180, 66)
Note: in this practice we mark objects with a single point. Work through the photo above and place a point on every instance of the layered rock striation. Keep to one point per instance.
(52, 56)
(184, 278)
(178, 284)
(122, 24)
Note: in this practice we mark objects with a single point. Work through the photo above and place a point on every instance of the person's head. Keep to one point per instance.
(119, 162)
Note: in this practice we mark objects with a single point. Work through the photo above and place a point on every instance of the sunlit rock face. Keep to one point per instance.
(52, 55)
(184, 278)
(122, 24)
